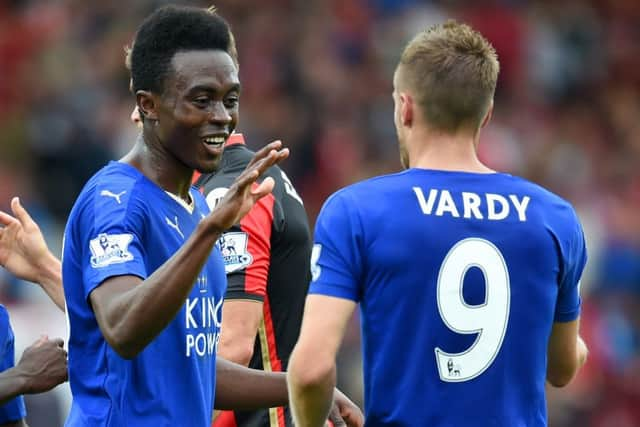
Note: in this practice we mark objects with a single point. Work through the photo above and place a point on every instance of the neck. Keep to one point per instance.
(443, 151)
(160, 166)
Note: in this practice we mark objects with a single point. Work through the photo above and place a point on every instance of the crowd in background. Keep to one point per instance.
(317, 74)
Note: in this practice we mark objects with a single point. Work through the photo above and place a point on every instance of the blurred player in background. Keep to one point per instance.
(467, 279)
(266, 259)
(198, 91)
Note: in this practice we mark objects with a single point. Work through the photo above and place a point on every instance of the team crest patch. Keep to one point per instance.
(107, 249)
(234, 251)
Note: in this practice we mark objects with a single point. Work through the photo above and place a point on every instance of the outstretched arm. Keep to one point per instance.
(131, 312)
(312, 368)
(24, 252)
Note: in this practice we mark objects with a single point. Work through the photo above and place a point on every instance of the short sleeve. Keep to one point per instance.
(574, 260)
(14, 409)
(110, 236)
(246, 251)
(336, 260)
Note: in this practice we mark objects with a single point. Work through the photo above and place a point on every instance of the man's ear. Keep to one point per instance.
(406, 109)
(147, 104)
(487, 117)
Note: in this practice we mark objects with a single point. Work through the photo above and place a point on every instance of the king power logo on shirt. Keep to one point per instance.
(203, 318)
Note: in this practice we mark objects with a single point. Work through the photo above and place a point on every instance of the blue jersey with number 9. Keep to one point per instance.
(459, 277)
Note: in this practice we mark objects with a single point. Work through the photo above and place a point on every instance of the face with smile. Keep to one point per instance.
(198, 110)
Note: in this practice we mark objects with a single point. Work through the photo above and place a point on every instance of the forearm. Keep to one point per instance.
(241, 388)
(12, 384)
(310, 395)
(137, 316)
(50, 279)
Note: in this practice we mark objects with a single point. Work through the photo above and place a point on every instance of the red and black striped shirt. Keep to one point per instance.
(267, 258)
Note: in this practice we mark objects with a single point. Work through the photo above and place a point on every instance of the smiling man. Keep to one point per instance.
(143, 277)
(143, 338)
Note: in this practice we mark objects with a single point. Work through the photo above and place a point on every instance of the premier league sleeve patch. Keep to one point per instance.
(234, 251)
(107, 249)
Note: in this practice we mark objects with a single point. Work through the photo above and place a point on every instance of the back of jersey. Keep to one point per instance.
(460, 277)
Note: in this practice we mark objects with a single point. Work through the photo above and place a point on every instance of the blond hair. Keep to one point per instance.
(451, 70)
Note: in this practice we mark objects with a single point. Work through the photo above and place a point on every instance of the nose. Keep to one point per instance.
(219, 114)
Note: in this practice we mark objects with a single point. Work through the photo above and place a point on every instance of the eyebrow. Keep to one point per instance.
(209, 89)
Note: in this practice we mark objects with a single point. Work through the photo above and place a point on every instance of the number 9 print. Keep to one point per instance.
(488, 320)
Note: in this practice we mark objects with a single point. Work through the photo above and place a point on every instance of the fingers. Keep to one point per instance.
(264, 151)
(353, 420)
(21, 213)
(58, 342)
(251, 174)
(6, 219)
(271, 159)
(43, 339)
(264, 188)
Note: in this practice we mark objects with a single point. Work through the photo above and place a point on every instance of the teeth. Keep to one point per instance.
(214, 140)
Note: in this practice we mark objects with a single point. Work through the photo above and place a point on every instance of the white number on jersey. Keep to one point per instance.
(488, 320)
(288, 188)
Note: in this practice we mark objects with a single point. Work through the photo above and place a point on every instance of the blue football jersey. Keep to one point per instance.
(14, 409)
(459, 277)
(124, 224)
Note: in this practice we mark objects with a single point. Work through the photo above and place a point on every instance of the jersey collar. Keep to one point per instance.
(234, 138)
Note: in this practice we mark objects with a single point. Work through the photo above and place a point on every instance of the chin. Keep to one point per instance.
(210, 166)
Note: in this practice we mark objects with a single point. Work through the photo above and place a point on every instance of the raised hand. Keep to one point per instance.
(43, 365)
(22, 247)
(244, 192)
(24, 252)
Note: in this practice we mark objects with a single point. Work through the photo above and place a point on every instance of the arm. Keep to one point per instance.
(246, 288)
(312, 368)
(131, 312)
(241, 388)
(566, 353)
(239, 328)
(25, 254)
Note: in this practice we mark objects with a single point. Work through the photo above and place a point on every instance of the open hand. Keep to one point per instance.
(245, 192)
(22, 246)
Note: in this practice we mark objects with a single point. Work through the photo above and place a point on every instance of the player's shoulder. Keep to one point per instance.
(366, 187)
(360, 194)
(557, 213)
(551, 202)
(114, 189)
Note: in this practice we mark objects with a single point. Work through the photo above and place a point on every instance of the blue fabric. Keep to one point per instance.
(123, 224)
(459, 277)
(14, 409)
